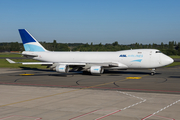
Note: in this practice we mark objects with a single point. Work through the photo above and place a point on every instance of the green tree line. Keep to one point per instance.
(172, 48)
(15, 46)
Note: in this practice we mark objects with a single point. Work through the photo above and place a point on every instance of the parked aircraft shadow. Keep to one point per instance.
(35, 69)
(174, 76)
(127, 72)
(72, 73)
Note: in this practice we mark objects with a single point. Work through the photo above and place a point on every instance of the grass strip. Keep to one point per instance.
(10, 55)
(6, 64)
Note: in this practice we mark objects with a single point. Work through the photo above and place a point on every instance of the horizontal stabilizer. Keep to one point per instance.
(10, 61)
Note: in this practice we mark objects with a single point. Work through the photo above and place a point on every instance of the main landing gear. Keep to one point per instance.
(153, 71)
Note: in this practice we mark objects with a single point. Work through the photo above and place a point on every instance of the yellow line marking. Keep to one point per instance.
(63, 93)
(26, 74)
(133, 77)
(145, 75)
(136, 77)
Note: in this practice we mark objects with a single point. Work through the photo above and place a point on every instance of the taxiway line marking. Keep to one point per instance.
(103, 84)
(62, 93)
(57, 94)
(133, 78)
(164, 117)
(38, 98)
(161, 110)
(83, 115)
(143, 100)
(116, 111)
(19, 116)
(3, 83)
(89, 113)
(108, 115)
(26, 74)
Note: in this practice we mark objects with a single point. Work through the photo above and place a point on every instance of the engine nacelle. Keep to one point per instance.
(96, 70)
(62, 68)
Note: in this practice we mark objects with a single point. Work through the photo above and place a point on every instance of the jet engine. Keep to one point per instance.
(96, 70)
(62, 68)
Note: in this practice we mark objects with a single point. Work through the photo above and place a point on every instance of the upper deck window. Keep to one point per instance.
(158, 52)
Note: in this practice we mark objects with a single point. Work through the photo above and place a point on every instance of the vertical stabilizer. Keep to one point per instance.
(29, 42)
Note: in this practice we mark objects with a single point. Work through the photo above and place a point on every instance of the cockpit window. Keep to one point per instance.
(158, 52)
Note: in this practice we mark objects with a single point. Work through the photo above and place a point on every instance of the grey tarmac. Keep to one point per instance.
(33, 94)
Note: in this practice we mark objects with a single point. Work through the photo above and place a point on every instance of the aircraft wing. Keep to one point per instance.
(43, 63)
(88, 64)
(30, 63)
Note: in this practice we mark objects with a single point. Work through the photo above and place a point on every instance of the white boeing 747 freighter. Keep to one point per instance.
(94, 62)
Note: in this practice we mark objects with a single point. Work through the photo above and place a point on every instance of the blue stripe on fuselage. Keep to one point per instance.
(139, 60)
(33, 48)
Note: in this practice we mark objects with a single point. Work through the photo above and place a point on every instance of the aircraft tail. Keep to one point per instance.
(29, 42)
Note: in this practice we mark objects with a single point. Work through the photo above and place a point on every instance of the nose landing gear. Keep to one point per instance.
(153, 71)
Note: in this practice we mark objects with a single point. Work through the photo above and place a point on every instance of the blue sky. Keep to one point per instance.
(86, 21)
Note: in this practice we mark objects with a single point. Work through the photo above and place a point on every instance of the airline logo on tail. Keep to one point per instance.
(29, 42)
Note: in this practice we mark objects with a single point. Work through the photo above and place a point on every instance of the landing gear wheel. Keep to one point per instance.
(153, 72)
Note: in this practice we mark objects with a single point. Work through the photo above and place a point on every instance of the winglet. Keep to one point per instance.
(10, 61)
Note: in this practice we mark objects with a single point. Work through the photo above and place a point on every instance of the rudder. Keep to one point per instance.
(29, 42)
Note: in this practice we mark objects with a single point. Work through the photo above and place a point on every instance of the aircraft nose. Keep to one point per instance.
(166, 60)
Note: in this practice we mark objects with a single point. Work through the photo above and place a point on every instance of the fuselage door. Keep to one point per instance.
(154, 58)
